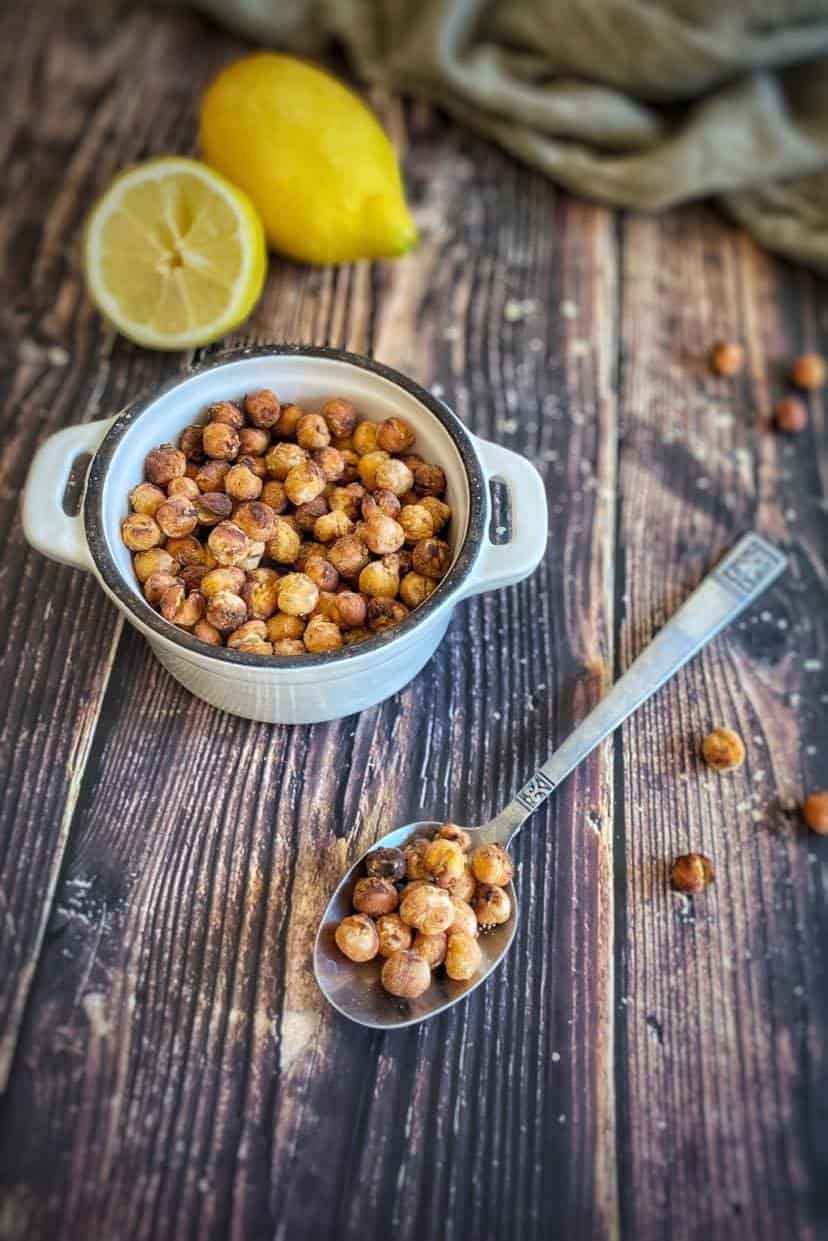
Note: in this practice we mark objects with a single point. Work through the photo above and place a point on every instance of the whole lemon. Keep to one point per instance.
(311, 157)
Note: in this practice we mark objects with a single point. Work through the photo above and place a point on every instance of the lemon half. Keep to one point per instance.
(174, 255)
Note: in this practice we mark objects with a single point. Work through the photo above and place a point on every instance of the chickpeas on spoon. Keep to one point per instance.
(356, 990)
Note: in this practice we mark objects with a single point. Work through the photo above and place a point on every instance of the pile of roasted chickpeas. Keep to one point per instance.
(275, 531)
(423, 907)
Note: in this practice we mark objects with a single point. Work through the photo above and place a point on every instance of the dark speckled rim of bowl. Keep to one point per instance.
(137, 605)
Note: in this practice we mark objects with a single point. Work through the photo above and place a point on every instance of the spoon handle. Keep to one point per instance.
(735, 582)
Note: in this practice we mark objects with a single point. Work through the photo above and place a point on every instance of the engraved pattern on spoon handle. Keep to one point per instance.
(737, 580)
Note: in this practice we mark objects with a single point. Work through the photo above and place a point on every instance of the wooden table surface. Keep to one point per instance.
(644, 1066)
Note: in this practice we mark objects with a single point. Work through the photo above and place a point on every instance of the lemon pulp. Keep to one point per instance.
(174, 254)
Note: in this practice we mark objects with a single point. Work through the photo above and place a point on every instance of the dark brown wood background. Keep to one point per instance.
(644, 1066)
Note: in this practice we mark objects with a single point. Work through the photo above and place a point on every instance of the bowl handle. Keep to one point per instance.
(46, 524)
(504, 564)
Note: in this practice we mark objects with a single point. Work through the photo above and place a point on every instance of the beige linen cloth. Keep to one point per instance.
(639, 103)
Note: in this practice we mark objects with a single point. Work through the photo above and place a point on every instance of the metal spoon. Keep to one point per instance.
(355, 990)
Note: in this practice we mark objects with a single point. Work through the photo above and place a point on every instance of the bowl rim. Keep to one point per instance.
(134, 603)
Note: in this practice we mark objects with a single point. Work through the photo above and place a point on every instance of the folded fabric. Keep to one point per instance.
(639, 103)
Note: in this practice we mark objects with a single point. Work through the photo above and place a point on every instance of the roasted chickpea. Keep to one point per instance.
(206, 632)
(463, 888)
(263, 409)
(382, 534)
(156, 584)
(431, 558)
(376, 580)
(211, 476)
(394, 935)
(177, 516)
(226, 413)
(347, 500)
(330, 461)
(417, 523)
(322, 573)
(691, 873)
(380, 501)
(364, 436)
(392, 475)
(321, 634)
(189, 443)
(386, 864)
(463, 956)
(241, 483)
(223, 578)
(221, 442)
(140, 532)
(180, 608)
(431, 947)
(253, 442)
(809, 371)
(284, 543)
(413, 884)
(304, 482)
(415, 867)
(395, 435)
(368, 466)
(465, 919)
(351, 609)
(226, 611)
(229, 544)
(384, 613)
(415, 589)
(289, 646)
(399, 562)
(251, 639)
(406, 974)
(261, 593)
(350, 464)
(306, 514)
(332, 526)
(815, 811)
(445, 861)
(723, 749)
(429, 480)
(357, 938)
(213, 507)
(274, 495)
(184, 486)
(257, 520)
(428, 909)
(146, 499)
(341, 417)
(254, 556)
(186, 549)
(450, 831)
(283, 626)
(438, 510)
(308, 552)
(312, 432)
(375, 896)
(164, 464)
(348, 555)
(284, 457)
(358, 634)
(154, 560)
(297, 595)
(492, 864)
(289, 420)
(492, 905)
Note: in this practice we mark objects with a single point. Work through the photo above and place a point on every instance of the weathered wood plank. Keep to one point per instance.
(721, 998)
(72, 118)
(200, 1088)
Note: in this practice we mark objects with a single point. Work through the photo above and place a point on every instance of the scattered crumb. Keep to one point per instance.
(514, 311)
(812, 665)
(556, 1055)
(568, 309)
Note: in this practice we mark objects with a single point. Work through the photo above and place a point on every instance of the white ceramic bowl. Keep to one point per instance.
(297, 689)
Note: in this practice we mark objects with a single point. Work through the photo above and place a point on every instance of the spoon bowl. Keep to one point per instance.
(356, 991)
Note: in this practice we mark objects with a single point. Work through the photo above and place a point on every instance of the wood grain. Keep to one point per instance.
(720, 997)
(642, 1066)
